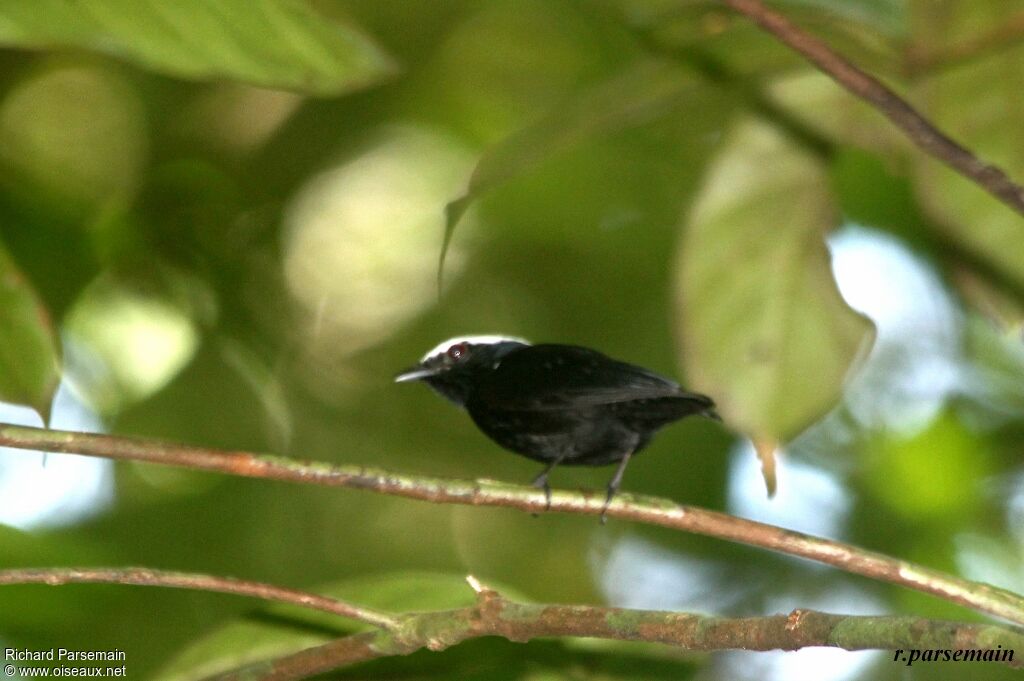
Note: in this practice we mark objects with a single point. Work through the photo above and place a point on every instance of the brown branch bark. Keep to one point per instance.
(196, 582)
(642, 509)
(918, 128)
(494, 615)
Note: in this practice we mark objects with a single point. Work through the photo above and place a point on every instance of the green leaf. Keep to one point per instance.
(495, 659)
(869, 34)
(764, 329)
(639, 95)
(957, 461)
(996, 305)
(28, 349)
(73, 140)
(997, 359)
(270, 43)
(806, 94)
(978, 103)
(284, 629)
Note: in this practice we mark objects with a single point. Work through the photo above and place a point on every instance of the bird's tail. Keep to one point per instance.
(701, 405)
(706, 404)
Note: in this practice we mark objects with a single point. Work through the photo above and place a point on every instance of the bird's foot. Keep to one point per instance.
(607, 502)
(613, 485)
(541, 482)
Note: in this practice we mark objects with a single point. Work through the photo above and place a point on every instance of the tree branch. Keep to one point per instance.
(642, 509)
(494, 615)
(196, 582)
(918, 128)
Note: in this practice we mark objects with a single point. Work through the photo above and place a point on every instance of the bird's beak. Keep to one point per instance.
(415, 373)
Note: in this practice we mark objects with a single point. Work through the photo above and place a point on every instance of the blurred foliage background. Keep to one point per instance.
(220, 224)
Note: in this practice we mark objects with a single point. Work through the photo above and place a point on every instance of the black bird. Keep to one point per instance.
(557, 404)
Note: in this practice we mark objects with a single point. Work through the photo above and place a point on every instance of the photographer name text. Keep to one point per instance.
(63, 655)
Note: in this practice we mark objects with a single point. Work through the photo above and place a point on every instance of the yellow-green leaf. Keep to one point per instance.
(28, 348)
(763, 327)
(980, 104)
(640, 94)
(271, 43)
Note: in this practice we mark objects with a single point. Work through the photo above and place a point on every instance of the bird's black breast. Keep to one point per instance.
(560, 401)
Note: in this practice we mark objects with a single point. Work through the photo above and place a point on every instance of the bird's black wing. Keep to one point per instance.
(543, 377)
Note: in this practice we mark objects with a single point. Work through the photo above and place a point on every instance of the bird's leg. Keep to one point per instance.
(542, 481)
(613, 485)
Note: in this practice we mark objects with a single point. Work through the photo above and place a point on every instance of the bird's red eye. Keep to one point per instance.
(458, 351)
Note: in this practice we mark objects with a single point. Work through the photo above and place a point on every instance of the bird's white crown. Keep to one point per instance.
(486, 339)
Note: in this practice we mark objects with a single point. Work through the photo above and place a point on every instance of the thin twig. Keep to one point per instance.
(494, 615)
(642, 509)
(918, 128)
(196, 582)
